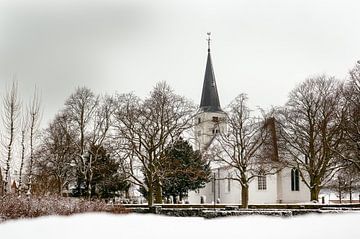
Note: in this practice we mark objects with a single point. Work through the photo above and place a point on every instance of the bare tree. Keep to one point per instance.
(346, 181)
(81, 108)
(102, 122)
(76, 140)
(54, 157)
(24, 129)
(34, 114)
(1, 184)
(311, 130)
(240, 147)
(10, 118)
(145, 129)
(351, 144)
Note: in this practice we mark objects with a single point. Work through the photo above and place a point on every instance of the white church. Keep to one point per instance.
(285, 186)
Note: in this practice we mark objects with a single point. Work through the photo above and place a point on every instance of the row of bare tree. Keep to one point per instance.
(317, 131)
(320, 128)
(135, 132)
(20, 128)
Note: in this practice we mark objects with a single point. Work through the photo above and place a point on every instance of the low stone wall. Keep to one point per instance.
(215, 213)
(253, 206)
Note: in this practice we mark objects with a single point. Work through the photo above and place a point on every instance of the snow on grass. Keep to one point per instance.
(101, 225)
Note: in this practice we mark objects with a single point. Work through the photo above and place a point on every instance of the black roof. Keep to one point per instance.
(209, 98)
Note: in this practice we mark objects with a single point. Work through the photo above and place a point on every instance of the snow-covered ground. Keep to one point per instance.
(159, 227)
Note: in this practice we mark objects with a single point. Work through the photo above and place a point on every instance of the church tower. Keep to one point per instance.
(210, 119)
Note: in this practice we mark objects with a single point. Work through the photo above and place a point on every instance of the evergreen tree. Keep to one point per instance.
(107, 181)
(185, 170)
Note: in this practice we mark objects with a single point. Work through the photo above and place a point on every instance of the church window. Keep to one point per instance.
(261, 182)
(199, 120)
(295, 180)
(215, 119)
(229, 182)
(213, 184)
(219, 192)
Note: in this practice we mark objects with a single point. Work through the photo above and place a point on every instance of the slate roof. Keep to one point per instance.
(209, 98)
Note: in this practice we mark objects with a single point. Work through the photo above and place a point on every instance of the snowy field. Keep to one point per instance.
(159, 227)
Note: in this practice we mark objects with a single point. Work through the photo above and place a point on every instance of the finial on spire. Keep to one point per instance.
(208, 40)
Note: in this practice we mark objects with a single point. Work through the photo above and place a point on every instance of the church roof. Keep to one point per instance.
(209, 98)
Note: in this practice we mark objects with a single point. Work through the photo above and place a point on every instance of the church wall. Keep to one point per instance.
(269, 195)
(288, 196)
(225, 196)
(204, 130)
(194, 196)
(234, 195)
(228, 196)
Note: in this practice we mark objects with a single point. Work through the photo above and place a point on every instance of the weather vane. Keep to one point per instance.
(208, 40)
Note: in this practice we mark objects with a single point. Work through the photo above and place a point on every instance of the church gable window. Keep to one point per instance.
(295, 180)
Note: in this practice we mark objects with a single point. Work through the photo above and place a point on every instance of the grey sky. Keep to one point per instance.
(260, 47)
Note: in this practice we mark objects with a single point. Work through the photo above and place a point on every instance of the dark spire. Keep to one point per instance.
(209, 97)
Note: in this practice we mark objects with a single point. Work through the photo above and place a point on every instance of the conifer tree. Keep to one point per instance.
(186, 170)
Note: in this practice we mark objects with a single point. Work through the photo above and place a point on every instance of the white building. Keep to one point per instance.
(282, 187)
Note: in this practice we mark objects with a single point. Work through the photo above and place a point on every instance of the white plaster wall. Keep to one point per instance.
(194, 196)
(234, 195)
(225, 196)
(206, 126)
(269, 195)
(288, 196)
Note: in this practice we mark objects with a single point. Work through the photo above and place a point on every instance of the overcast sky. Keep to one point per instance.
(259, 47)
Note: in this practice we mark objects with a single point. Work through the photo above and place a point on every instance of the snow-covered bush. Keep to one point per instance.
(13, 206)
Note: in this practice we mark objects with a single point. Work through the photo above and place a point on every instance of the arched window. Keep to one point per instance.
(212, 184)
(229, 182)
(295, 180)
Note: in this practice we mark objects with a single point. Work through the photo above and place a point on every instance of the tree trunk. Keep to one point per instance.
(350, 191)
(127, 193)
(60, 187)
(314, 193)
(32, 129)
(22, 159)
(158, 193)
(244, 196)
(150, 196)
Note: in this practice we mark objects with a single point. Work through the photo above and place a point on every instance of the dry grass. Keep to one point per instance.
(13, 206)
